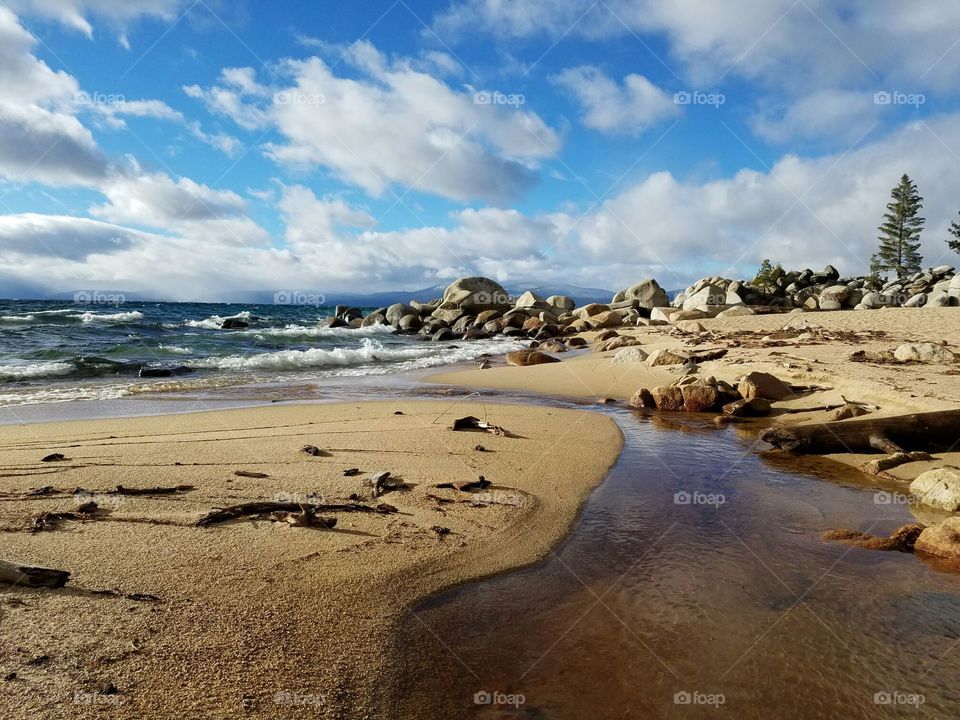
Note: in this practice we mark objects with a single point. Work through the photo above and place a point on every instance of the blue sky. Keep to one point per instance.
(186, 149)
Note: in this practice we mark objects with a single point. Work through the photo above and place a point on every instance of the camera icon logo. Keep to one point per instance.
(482, 697)
(882, 98)
(682, 98)
(483, 97)
(681, 698)
(682, 498)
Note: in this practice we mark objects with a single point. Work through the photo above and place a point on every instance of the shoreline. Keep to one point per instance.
(817, 353)
(210, 645)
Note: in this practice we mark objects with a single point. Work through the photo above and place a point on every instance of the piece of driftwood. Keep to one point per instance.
(266, 507)
(895, 459)
(315, 451)
(473, 423)
(466, 485)
(18, 574)
(887, 434)
(250, 474)
(306, 517)
(121, 490)
(45, 521)
(384, 482)
(53, 457)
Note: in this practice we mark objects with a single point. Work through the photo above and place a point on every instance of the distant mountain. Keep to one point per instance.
(581, 295)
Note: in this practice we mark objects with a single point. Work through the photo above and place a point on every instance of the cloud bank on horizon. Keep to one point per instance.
(187, 150)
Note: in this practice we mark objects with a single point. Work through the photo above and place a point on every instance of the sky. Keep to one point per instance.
(193, 149)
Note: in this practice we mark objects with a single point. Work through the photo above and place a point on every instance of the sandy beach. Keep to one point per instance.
(253, 617)
(804, 349)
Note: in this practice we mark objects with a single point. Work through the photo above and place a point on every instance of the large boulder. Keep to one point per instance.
(562, 303)
(938, 488)
(608, 319)
(736, 311)
(397, 311)
(475, 293)
(708, 296)
(763, 385)
(954, 290)
(942, 540)
(588, 311)
(647, 293)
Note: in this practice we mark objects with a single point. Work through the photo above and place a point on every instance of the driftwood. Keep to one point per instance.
(384, 482)
(17, 574)
(250, 474)
(265, 507)
(888, 434)
(121, 490)
(466, 485)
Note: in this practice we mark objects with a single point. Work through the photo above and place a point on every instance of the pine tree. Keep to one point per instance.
(768, 275)
(900, 232)
(954, 230)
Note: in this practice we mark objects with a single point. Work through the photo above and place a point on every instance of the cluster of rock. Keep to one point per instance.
(476, 308)
(826, 290)
(751, 397)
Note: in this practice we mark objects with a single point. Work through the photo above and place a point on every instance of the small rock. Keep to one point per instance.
(754, 407)
(923, 352)
(942, 540)
(630, 355)
(642, 398)
(524, 358)
(938, 488)
(700, 397)
(665, 357)
(667, 397)
(763, 385)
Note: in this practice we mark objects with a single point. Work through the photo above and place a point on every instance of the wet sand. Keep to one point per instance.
(254, 618)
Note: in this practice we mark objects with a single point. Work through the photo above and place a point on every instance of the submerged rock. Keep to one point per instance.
(942, 540)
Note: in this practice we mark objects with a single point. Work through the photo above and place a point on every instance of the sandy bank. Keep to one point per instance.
(755, 343)
(256, 618)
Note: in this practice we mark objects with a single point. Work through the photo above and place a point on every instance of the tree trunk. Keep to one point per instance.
(888, 434)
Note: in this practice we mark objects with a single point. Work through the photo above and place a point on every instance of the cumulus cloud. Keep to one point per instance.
(180, 206)
(393, 125)
(630, 107)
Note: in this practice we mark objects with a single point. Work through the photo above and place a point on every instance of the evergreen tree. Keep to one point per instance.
(900, 232)
(954, 230)
(768, 275)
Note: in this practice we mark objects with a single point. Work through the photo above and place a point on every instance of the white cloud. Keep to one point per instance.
(182, 207)
(607, 106)
(841, 115)
(76, 14)
(394, 125)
